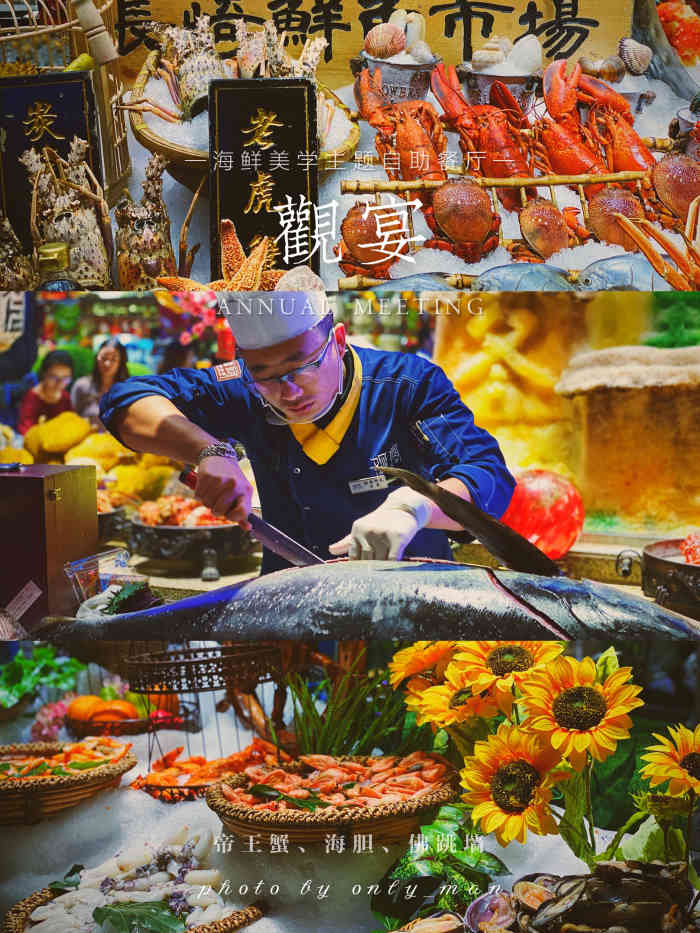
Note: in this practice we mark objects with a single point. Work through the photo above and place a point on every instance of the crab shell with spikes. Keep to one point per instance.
(241, 273)
(686, 277)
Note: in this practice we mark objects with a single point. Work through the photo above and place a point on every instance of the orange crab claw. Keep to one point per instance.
(502, 97)
(369, 96)
(448, 90)
(143, 105)
(560, 89)
(688, 273)
(598, 93)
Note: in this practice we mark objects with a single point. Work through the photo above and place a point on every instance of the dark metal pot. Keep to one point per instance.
(666, 577)
(206, 546)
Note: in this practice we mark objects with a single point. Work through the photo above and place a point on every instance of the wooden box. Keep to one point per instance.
(48, 516)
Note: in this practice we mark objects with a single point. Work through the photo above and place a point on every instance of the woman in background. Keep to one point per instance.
(50, 397)
(110, 367)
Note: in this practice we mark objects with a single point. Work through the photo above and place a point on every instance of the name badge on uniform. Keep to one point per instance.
(226, 371)
(368, 484)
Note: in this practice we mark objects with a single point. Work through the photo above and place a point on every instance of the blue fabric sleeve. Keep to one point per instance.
(460, 448)
(221, 408)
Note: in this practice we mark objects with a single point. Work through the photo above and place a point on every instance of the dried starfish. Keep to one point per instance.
(241, 273)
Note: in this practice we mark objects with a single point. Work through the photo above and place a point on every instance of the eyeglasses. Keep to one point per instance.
(59, 380)
(297, 376)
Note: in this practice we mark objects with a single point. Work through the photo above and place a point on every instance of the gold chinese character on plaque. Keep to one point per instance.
(260, 194)
(260, 129)
(40, 119)
(272, 250)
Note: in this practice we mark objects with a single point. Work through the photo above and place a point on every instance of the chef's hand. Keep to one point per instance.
(222, 486)
(385, 533)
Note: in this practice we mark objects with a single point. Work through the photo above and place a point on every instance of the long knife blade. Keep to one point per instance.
(269, 536)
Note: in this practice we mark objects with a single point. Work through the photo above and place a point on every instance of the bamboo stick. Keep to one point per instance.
(457, 280)
(542, 181)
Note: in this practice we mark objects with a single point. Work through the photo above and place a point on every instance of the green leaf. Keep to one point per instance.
(482, 861)
(60, 771)
(109, 692)
(85, 765)
(607, 664)
(423, 867)
(613, 847)
(39, 769)
(312, 802)
(4, 766)
(571, 825)
(71, 879)
(466, 734)
(151, 917)
(456, 812)
(649, 843)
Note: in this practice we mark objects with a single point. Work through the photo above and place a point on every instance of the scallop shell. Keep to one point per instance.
(636, 56)
(607, 69)
(422, 52)
(385, 40)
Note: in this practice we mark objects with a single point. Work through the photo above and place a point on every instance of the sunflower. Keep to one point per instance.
(509, 782)
(676, 760)
(500, 666)
(421, 657)
(576, 714)
(450, 703)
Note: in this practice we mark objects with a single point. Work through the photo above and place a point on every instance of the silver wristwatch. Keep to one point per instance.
(220, 449)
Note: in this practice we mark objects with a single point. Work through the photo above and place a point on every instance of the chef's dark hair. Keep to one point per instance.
(56, 358)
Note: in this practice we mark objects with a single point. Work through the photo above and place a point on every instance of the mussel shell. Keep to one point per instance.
(676, 179)
(601, 209)
(559, 907)
(603, 914)
(443, 922)
(530, 896)
(463, 210)
(544, 227)
(547, 881)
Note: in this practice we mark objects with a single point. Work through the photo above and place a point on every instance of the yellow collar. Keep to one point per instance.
(320, 444)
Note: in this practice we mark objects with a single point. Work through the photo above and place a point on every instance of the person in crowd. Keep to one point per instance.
(110, 367)
(50, 396)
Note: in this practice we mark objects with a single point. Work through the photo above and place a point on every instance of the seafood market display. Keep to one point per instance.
(631, 895)
(326, 782)
(171, 878)
(91, 753)
(178, 511)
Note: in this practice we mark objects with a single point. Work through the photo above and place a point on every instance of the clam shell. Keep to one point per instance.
(636, 56)
(607, 69)
(385, 40)
(482, 58)
(415, 28)
(422, 52)
(398, 18)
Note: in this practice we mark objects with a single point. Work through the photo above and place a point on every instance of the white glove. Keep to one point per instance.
(385, 533)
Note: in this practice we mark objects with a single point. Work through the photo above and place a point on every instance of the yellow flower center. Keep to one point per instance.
(579, 708)
(691, 764)
(509, 658)
(514, 785)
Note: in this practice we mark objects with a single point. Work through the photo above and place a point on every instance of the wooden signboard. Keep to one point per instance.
(264, 155)
(38, 111)
(566, 28)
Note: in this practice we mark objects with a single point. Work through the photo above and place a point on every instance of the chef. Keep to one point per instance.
(317, 417)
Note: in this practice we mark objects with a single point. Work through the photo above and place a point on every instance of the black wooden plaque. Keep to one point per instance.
(253, 125)
(38, 111)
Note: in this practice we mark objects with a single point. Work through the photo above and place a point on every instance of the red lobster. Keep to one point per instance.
(488, 133)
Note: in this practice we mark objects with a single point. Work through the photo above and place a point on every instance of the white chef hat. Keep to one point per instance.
(263, 319)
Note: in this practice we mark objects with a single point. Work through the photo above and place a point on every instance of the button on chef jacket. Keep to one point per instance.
(401, 411)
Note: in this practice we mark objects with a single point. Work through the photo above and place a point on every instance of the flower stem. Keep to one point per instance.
(516, 714)
(689, 828)
(587, 773)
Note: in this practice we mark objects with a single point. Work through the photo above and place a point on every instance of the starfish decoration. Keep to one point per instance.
(241, 273)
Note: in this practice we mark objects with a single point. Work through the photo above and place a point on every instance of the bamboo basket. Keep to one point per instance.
(189, 166)
(388, 823)
(60, 29)
(17, 918)
(33, 799)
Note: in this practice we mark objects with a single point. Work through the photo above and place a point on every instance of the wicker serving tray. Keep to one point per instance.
(193, 670)
(17, 918)
(188, 165)
(33, 799)
(392, 822)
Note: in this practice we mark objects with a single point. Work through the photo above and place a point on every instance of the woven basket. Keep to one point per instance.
(189, 166)
(32, 799)
(17, 918)
(193, 670)
(392, 822)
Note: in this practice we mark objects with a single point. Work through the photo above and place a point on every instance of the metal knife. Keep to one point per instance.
(269, 536)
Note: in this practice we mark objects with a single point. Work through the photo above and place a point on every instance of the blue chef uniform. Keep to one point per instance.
(404, 413)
